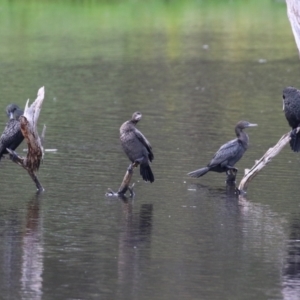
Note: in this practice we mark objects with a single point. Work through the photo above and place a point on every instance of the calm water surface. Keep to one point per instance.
(193, 69)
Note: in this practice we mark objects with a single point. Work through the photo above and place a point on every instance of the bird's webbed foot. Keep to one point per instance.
(130, 167)
(232, 171)
(231, 174)
(293, 134)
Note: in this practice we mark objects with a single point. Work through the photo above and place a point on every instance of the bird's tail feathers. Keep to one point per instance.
(199, 173)
(146, 172)
(295, 141)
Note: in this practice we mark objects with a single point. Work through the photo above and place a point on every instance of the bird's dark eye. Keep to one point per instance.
(283, 97)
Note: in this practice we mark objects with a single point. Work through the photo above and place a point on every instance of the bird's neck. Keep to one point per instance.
(242, 137)
(134, 122)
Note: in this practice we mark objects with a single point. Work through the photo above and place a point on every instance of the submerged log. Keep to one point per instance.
(262, 162)
(28, 123)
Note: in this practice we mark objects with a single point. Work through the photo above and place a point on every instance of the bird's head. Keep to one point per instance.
(245, 124)
(13, 111)
(136, 117)
(289, 93)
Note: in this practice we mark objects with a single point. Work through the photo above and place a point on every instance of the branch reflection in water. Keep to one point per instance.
(290, 251)
(291, 268)
(10, 252)
(134, 247)
(245, 231)
(33, 249)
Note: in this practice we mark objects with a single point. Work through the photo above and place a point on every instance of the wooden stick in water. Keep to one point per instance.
(126, 180)
(124, 187)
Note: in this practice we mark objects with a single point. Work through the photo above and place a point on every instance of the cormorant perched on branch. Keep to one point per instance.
(229, 154)
(137, 147)
(12, 136)
(291, 107)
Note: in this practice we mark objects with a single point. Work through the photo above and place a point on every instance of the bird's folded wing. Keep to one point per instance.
(145, 142)
(225, 152)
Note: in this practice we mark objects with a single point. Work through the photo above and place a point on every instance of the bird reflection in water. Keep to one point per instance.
(291, 269)
(33, 249)
(230, 190)
(134, 247)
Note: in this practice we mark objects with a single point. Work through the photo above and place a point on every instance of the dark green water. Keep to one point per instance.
(193, 68)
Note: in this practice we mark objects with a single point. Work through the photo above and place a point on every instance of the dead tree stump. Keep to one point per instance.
(28, 123)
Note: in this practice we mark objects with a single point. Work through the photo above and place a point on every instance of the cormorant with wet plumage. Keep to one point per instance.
(229, 154)
(291, 107)
(12, 136)
(137, 147)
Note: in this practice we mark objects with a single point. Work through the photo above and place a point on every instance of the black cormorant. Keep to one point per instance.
(291, 107)
(229, 154)
(12, 136)
(136, 146)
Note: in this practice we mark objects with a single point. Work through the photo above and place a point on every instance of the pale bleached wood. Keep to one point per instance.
(293, 12)
(261, 163)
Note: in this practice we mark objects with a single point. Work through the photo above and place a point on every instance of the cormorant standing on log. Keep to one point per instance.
(291, 107)
(229, 154)
(12, 136)
(137, 147)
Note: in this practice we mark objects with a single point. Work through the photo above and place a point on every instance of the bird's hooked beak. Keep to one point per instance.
(11, 115)
(252, 125)
(282, 104)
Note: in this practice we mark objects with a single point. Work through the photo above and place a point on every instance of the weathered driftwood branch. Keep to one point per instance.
(124, 187)
(261, 163)
(28, 123)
